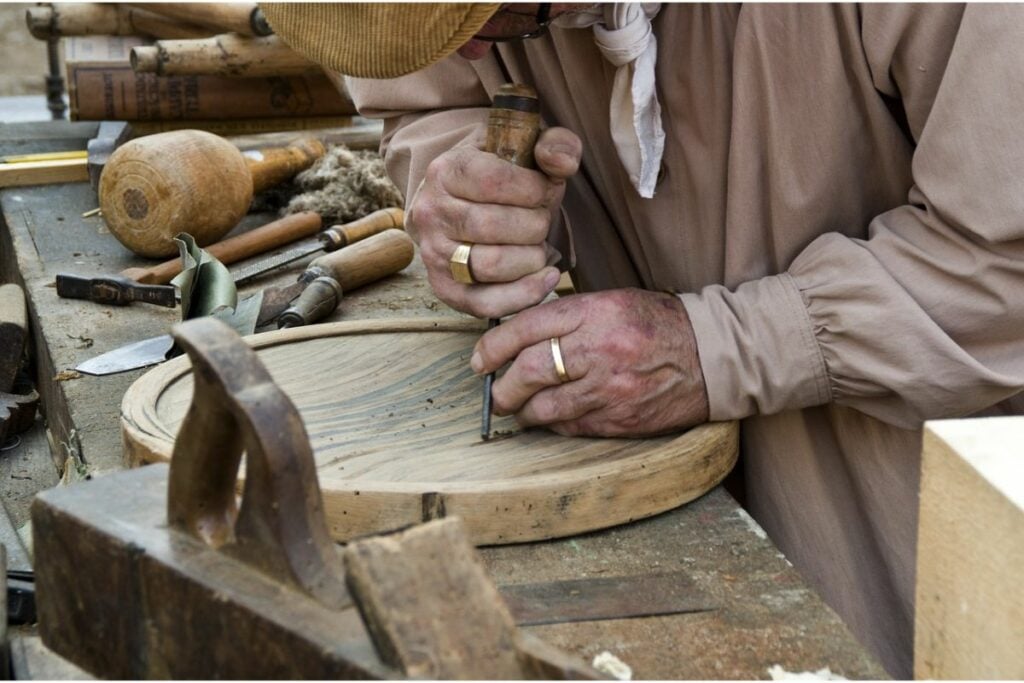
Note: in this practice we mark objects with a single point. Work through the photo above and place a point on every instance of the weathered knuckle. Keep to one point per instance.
(533, 366)
(482, 262)
(490, 309)
(545, 409)
(424, 215)
(438, 170)
(501, 404)
(570, 428)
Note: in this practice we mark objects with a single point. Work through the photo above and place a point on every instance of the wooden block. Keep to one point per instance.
(969, 620)
(43, 172)
(427, 600)
(123, 596)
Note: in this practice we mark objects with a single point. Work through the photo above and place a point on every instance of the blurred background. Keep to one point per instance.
(23, 70)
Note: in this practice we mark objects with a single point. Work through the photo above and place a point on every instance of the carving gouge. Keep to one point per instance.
(331, 239)
(318, 290)
(512, 130)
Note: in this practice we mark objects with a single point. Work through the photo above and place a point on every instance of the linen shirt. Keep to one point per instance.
(841, 210)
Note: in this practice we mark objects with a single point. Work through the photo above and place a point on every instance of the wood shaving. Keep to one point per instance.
(609, 664)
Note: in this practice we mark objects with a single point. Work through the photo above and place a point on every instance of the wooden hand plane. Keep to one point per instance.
(160, 572)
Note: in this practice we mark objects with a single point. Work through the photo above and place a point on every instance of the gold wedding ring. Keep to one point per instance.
(459, 264)
(556, 355)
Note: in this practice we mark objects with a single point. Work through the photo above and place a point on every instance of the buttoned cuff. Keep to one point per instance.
(757, 348)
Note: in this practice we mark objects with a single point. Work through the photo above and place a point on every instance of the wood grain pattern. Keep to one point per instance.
(222, 16)
(392, 410)
(227, 54)
(105, 19)
(43, 172)
(969, 608)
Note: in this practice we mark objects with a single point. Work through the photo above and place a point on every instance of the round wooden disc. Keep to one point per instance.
(393, 412)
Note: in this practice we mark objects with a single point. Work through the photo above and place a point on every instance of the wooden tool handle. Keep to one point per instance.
(88, 19)
(368, 260)
(221, 16)
(513, 124)
(338, 236)
(233, 249)
(280, 528)
(227, 54)
(276, 164)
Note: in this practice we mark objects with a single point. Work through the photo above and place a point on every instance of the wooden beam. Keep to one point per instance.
(43, 172)
(969, 621)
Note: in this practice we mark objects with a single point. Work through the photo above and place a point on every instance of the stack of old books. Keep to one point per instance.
(212, 66)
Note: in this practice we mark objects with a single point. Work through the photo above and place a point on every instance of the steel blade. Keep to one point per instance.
(603, 598)
(128, 357)
(276, 300)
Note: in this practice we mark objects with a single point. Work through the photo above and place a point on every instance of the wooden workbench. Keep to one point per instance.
(764, 614)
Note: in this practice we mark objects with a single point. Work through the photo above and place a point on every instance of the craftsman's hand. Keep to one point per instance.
(504, 211)
(631, 357)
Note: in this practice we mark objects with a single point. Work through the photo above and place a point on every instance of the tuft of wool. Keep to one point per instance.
(343, 186)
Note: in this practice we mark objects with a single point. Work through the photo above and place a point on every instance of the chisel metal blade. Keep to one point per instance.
(276, 301)
(596, 599)
(129, 357)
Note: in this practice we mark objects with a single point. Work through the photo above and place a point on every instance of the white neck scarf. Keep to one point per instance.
(622, 31)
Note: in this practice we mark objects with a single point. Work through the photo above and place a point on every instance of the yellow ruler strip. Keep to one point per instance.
(43, 172)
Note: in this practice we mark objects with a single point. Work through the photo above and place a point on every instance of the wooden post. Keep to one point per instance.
(88, 19)
(238, 17)
(969, 621)
(223, 55)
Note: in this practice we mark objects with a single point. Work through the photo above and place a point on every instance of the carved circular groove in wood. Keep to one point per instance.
(393, 412)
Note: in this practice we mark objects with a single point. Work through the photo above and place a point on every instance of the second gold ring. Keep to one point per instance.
(556, 356)
(459, 264)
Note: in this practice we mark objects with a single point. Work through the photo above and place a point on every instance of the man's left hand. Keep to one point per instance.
(630, 355)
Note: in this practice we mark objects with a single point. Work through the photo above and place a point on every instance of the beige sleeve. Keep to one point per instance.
(925, 318)
(425, 114)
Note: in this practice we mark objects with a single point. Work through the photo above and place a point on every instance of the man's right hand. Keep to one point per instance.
(504, 211)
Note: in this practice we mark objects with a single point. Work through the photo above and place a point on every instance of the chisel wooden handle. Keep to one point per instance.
(367, 260)
(233, 249)
(513, 126)
(340, 271)
(277, 164)
(220, 16)
(338, 236)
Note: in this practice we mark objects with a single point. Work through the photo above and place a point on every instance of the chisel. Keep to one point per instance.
(319, 289)
(331, 239)
(512, 129)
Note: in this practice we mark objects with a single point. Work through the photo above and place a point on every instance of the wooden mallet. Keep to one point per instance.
(190, 181)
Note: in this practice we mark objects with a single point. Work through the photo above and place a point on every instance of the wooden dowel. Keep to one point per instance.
(88, 19)
(234, 249)
(223, 55)
(220, 16)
